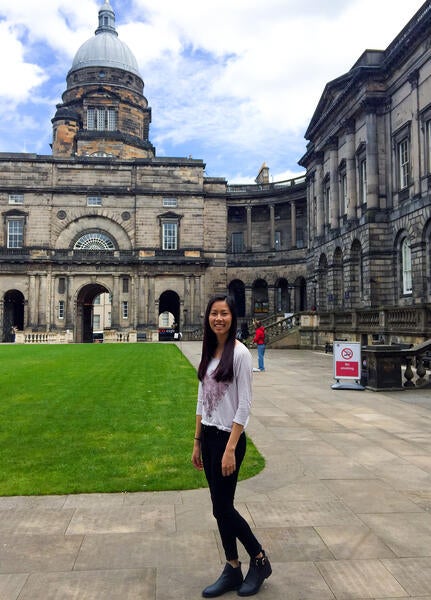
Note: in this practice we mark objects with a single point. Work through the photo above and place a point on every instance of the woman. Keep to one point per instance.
(223, 407)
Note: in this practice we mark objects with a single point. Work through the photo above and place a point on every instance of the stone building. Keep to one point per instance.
(368, 164)
(104, 226)
(104, 216)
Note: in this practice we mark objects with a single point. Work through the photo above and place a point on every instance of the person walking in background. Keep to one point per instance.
(222, 414)
(259, 340)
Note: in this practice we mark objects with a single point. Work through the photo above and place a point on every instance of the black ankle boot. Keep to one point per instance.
(260, 569)
(230, 579)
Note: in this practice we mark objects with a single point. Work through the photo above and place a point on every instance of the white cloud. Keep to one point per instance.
(238, 81)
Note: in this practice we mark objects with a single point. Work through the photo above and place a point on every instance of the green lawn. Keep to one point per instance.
(99, 418)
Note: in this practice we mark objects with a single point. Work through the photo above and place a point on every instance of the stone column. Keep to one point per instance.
(318, 185)
(33, 301)
(334, 183)
(134, 295)
(69, 303)
(187, 301)
(153, 319)
(249, 240)
(371, 155)
(271, 227)
(293, 223)
(415, 137)
(198, 309)
(351, 170)
(249, 309)
(115, 314)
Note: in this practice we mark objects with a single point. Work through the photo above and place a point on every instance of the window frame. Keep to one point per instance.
(10, 234)
(102, 118)
(406, 267)
(61, 310)
(237, 242)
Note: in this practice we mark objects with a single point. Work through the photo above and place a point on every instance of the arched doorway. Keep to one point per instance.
(237, 291)
(13, 314)
(282, 299)
(169, 315)
(84, 310)
(260, 298)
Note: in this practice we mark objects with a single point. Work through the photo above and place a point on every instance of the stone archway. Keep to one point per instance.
(13, 314)
(84, 311)
(169, 302)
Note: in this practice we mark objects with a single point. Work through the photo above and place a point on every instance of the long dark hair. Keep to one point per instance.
(224, 371)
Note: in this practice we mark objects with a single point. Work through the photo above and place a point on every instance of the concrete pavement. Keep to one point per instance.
(343, 506)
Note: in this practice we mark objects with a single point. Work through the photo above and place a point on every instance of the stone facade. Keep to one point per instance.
(368, 192)
(350, 243)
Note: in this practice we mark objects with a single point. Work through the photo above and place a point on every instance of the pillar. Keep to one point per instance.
(334, 183)
(249, 241)
(293, 223)
(371, 156)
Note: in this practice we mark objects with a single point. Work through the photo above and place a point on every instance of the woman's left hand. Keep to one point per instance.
(228, 463)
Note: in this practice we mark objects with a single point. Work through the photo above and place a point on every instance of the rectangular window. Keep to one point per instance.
(406, 259)
(170, 236)
(61, 285)
(237, 242)
(125, 285)
(101, 119)
(403, 163)
(170, 202)
(15, 233)
(61, 309)
(96, 322)
(125, 309)
(16, 198)
(94, 201)
(111, 119)
(363, 181)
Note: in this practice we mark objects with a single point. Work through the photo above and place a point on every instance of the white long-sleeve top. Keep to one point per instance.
(221, 403)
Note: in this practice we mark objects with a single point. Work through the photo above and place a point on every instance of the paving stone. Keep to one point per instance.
(360, 579)
(371, 496)
(38, 552)
(414, 574)
(305, 513)
(407, 534)
(92, 585)
(122, 519)
(11, 585)
(152, 549)
(35, 521)
(353, 542)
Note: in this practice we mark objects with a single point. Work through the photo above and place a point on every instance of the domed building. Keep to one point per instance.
(104, 111)
(105, 235)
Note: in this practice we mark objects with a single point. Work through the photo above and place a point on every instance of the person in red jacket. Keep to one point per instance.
(259, 340)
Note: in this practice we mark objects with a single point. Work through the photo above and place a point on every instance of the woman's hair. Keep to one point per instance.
(258, 324)
(224, 371)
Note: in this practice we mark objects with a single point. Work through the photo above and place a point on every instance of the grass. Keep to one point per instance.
(99, 418)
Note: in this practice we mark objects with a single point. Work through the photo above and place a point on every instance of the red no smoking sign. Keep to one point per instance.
(347, 360)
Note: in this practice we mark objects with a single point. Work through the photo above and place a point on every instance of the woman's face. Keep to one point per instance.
(220, 318)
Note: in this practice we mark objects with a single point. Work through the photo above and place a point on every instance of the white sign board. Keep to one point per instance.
(347, 360)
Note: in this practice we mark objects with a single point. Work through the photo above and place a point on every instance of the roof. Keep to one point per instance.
(105, 49)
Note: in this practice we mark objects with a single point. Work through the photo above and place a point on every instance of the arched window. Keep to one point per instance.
(406, 266)
(94, 241)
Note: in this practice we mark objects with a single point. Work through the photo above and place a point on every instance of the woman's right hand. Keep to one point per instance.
(197, 456)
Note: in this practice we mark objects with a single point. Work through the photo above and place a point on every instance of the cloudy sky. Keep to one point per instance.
(232, 82)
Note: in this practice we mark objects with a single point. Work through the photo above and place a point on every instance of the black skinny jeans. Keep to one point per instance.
(231, 524)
